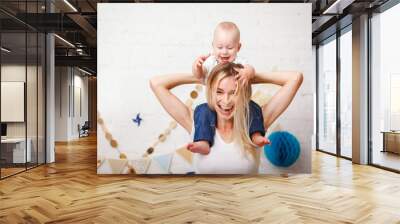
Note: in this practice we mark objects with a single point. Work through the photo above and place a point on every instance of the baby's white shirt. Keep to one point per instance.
(211, 62)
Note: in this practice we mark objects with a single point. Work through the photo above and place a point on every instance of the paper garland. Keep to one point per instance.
(140, 165)
(112, 166)
(163, 136)
(157, 164)
(135, 166)
(163, 161)
(107, 134)
(185, 154)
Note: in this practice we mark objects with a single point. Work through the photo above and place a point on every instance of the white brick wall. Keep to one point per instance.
(138, 41)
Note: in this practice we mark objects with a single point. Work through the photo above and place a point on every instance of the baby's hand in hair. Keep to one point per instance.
(197, 67)
(245, 74)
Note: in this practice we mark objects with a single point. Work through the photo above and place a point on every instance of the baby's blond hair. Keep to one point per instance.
(228, 26)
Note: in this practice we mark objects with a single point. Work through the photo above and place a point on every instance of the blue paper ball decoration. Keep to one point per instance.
(284, 149)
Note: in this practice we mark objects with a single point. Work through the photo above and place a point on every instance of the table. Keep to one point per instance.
(391, 141)
(13, 150)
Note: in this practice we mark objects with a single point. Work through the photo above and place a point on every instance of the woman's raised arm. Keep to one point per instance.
(161, 86)
(290, 82)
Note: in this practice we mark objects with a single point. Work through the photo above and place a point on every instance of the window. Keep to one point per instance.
(327, 96)
(385, 88)
(22, 68)
(346, 93)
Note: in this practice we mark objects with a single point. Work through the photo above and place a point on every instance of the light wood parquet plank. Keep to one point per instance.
(70, 191)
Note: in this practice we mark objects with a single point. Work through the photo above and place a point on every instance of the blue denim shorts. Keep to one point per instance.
(205, 120)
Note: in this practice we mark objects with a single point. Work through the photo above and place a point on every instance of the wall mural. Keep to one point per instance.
(136, 135)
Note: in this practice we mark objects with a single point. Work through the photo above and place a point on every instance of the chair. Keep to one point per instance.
(84, 130)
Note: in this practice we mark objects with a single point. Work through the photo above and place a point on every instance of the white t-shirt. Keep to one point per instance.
(224, 158)
(211, 62)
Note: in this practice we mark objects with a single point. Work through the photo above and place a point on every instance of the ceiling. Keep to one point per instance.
(75, 21)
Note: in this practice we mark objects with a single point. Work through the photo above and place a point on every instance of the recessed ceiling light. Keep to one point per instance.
(84, 71)
(5, 50)
(64, 40)
(338, 6)
(70, 5)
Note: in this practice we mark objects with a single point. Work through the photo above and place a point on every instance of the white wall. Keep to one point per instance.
(79, 117)
(68, 81)
(15, 72)
(314, 74)
(33, 127)
(61, 103)
(166, 38)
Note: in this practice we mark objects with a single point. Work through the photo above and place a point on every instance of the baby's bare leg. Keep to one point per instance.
(201, 147)
(259, 140)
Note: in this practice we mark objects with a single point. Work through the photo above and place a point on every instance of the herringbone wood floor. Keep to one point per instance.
(70, 191)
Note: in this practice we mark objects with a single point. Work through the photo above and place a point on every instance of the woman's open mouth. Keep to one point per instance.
(225, 110)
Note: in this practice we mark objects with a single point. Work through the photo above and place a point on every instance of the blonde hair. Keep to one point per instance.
(228, 26)
(241, 116)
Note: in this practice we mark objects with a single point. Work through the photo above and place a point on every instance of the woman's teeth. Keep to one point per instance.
(225, 109)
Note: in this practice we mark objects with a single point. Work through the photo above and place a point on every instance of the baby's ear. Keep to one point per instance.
(240, 45)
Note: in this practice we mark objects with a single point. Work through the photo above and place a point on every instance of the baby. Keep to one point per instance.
(226, 44)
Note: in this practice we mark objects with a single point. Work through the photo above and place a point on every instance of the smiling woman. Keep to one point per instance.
(225, 97)
(228, 100)
(181, 132)
(232, 152)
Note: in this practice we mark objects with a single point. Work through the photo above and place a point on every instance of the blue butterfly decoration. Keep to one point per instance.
(137, 120)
